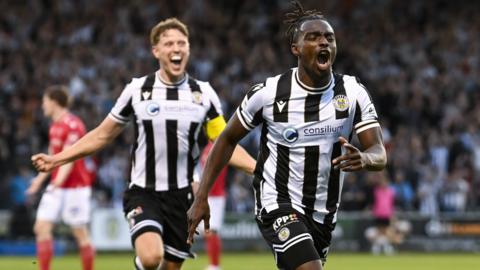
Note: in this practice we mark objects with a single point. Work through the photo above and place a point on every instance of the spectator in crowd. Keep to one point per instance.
(427, 192)
(404, 194)
(383, 207)
(21, 222)
(353, 194)
(454, 192)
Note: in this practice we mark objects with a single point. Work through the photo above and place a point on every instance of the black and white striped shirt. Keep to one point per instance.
(167, 119)
(299, 140)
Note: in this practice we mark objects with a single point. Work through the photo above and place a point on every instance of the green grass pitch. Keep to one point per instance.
(264, 261)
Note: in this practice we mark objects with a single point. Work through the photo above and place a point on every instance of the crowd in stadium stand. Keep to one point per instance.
(420, 61)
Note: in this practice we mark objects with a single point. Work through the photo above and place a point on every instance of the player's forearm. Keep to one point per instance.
(42, 176)
(217, 160)
(374, 158)
(63, 173)
(87, 145)
(242, 160)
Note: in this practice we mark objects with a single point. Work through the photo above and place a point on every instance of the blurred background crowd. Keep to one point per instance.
(420, 61)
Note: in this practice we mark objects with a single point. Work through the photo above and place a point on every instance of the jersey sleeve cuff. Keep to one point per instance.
(118, 119)
(364, 125)
(244, 123)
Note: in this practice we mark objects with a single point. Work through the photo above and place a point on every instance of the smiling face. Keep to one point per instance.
(172, 51)
(316, 48)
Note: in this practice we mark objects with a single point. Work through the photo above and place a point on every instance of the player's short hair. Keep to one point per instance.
(59, 94)
(170, 23)
(297, 17)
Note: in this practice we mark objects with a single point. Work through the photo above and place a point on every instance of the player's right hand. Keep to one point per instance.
(198, 211)
(34, 186)
(43, 162)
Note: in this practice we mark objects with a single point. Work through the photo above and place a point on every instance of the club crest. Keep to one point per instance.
(197, 97)
(283, 234)
(341, 103)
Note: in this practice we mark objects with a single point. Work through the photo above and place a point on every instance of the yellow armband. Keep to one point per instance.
(214, 127)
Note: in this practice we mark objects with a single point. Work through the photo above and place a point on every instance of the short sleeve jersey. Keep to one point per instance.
(62, 134)
(300, 130)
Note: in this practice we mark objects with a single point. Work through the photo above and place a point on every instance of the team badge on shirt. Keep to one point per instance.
(283, 234)
(341, 103)
(197, 97)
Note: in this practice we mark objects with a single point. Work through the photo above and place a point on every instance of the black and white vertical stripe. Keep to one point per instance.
(299, 140)
(167, 119)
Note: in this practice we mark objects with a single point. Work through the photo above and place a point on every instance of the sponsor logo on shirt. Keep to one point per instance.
(153, 109)
(290, 135)
(285, 220)
(322, 131)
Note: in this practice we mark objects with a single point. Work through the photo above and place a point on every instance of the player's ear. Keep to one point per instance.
(294, 49)
(155, 51)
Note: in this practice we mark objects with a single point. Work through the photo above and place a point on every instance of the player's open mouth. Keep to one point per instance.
(323, 59)
(176, 59)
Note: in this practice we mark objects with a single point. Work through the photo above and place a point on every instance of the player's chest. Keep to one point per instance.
(56, 136)
(304, 121)
(179, 109)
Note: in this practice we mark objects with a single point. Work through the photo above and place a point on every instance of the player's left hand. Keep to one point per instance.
(350, 161)
(198, 211)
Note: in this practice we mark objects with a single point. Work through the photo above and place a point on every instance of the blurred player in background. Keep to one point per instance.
(168, 109)
(216, 201)
(67, 196)
(306, 113)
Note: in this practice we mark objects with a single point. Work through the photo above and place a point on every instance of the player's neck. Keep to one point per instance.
(59, 114)
(169, 78)
(314, 82)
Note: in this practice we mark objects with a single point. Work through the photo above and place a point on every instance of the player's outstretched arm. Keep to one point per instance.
(373, 158)
(217, 159)
(242, 160)
(88, 144)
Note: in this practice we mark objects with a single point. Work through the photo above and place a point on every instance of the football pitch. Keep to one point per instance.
(264, 261)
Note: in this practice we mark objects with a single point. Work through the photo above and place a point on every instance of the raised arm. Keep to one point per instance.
(88, 144)
(220, 154)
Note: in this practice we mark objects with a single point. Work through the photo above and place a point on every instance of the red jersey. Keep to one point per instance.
(218, 188)
(61, 134)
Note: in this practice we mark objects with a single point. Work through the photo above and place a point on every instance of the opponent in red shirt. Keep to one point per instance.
(67, 197)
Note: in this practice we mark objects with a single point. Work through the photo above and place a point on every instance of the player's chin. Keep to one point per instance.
(323, 67)
(177, 70)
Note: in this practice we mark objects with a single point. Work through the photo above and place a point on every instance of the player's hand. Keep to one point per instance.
(43, 162)
(198, 211)
(351, 161)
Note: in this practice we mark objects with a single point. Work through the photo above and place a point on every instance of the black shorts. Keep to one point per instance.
(294, 238)
(163, 212)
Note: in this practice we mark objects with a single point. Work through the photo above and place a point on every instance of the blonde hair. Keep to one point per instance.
(170, 23)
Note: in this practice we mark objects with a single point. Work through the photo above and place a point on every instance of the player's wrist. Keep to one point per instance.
(201, 196)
